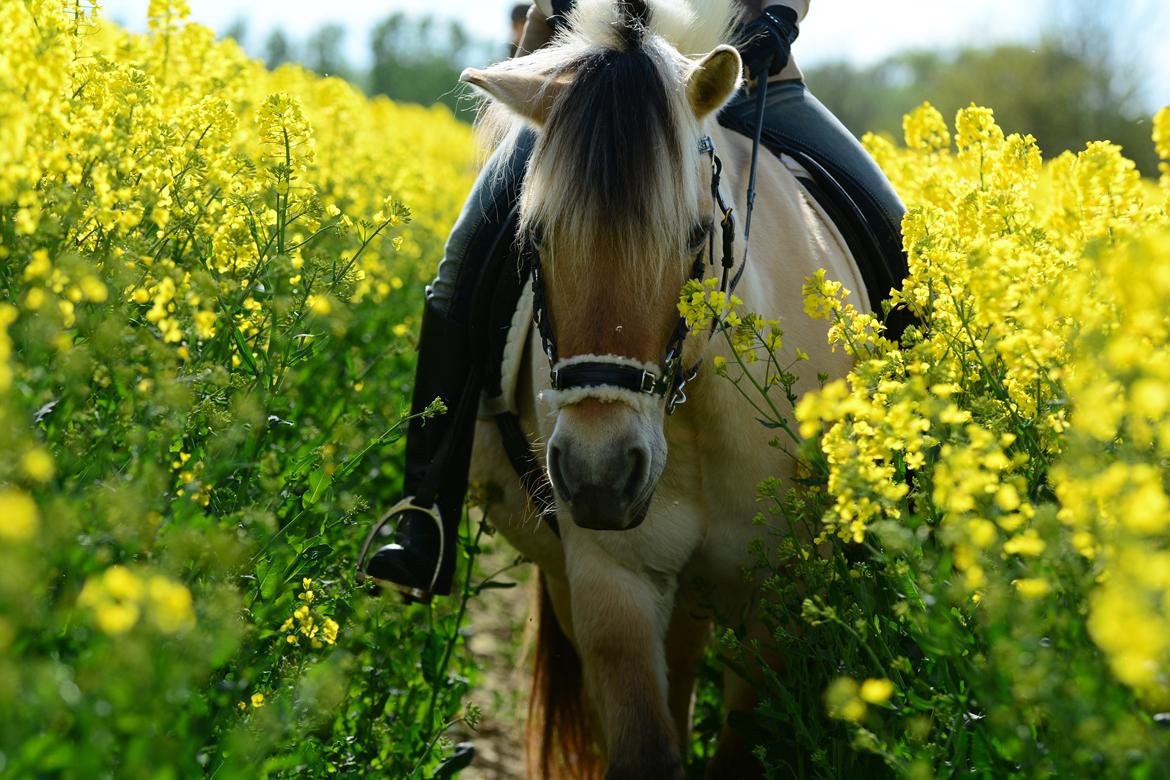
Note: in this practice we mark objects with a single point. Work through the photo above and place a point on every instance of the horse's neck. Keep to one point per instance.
(791, 237)
(790, 240)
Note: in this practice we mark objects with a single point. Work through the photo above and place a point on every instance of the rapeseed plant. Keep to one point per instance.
(208, 273)
(990, 493)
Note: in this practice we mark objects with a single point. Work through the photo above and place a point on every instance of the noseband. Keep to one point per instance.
(609, 371)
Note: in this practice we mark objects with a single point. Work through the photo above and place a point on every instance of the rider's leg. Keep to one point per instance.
(421, 556)
(793, 116)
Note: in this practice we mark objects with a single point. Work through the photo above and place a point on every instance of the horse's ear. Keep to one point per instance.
(531, 95)
(714, 80)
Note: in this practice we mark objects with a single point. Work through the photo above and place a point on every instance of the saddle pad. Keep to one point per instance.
(517, 333)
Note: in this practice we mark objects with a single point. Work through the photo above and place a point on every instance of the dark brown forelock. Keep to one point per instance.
(609, 129)
(635, 20)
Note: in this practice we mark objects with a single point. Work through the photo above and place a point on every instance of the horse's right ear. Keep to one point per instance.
(713, 81)
(531, 95)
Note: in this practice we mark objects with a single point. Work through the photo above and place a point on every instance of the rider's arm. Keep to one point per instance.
(791, 71)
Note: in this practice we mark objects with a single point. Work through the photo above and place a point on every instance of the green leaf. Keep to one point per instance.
(319, 480)
(245, 350)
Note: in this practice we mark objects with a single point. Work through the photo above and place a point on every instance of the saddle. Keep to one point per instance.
(504, 311)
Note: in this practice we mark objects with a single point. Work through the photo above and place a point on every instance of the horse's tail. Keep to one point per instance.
(558, 742)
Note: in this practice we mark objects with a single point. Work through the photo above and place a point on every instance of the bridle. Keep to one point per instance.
(594, 371)
(671, 377)
(670, 380)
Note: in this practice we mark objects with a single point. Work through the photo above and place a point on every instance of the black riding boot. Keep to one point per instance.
(420, 558)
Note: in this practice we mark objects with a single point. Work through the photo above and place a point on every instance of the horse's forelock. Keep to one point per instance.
(610, 172)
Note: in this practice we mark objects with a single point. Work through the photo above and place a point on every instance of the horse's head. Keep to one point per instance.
(617, 203)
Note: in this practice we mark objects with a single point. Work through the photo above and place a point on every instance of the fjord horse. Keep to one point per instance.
(655, 511)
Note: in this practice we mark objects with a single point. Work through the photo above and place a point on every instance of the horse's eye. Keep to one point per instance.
(698, 237)
(536, 237)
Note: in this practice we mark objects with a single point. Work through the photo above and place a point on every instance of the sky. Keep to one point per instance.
(860, 31)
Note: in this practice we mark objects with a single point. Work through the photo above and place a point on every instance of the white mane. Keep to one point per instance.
(687, 27)
(571, 175)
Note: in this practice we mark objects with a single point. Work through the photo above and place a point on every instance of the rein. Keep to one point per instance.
(671, 377)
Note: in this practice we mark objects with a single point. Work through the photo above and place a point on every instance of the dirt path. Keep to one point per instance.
(498, 624)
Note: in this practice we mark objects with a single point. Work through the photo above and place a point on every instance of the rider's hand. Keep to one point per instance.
(766, 43)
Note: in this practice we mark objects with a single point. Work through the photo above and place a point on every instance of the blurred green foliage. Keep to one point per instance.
(207, 280)
(1062, 97)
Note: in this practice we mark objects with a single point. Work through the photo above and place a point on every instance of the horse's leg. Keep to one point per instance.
(560, 728)
(619, 620)
(686, 639)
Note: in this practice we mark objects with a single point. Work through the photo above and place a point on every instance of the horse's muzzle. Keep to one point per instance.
(607, 493)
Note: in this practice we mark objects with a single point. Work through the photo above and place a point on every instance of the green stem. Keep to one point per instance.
(464, 598)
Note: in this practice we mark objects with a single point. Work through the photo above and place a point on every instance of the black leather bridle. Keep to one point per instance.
(671, 378)
(616, 374)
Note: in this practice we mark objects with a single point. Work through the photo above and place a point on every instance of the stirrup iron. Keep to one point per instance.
(405, 504)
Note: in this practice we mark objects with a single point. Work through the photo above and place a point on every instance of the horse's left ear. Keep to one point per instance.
(714, 80)
(531, 95)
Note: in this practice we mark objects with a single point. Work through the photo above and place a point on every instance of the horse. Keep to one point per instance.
(655, 510)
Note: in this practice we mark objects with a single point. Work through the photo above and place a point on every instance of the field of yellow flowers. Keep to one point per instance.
(990, 494)
(209, 274)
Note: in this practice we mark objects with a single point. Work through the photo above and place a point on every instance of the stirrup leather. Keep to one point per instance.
(403, 505)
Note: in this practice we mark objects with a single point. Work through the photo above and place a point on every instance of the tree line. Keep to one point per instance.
(411, 59)
(1080, 81)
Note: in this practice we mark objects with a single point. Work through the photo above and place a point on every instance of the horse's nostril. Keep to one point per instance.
(556, 463)
(638, 462)
(600, 481)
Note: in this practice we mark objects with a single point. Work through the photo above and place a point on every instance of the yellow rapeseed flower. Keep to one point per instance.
(925, 129)
(876, 691)
(38, 465)
(114, 617)
(19, 519)
(172, 607)
(1162, 146)
(329, 631)
(1032, 587)
(93, 288)
(39, 265)
(120, 583)
(843, 700)
(1027, 544)
(1040, 290)
(319, 304)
